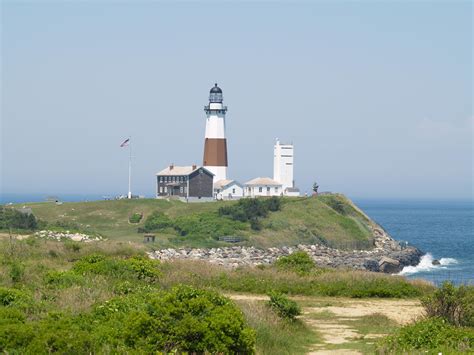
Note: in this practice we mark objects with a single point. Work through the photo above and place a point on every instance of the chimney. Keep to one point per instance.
(171, 166)
(194, 166)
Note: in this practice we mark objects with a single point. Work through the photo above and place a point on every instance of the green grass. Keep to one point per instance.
(276, 336)
(301, 220)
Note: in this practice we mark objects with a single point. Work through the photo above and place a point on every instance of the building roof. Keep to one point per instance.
(292, 189)
(174, 170)
(266, 181)
(221, 184)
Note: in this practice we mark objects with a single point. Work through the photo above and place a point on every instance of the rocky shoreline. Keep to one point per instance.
(387, 255)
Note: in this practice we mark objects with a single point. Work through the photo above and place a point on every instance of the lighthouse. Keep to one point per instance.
(215, 145)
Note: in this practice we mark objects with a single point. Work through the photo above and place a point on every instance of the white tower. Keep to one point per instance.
(283, 164)
(215, 146)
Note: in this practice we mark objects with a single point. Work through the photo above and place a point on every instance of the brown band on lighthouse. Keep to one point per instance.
(215, 152)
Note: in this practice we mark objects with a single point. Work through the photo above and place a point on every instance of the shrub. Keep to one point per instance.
(136, 267)
(135, 218)
(273, 204)
(298, 261)
(189, 320)
(283, 306)
(62, 279)
(11, 296)
(17, 270)
(454, 304)
(430, 334)
(206, 225)
(155, 222)
(11, 218)
(73, 246)
(143, 267)
(250, 210)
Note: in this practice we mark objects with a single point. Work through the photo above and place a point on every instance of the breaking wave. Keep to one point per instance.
(426, 265)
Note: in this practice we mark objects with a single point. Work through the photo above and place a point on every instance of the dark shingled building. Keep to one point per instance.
(184, 182)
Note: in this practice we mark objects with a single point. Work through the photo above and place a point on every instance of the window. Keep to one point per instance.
(268, 189)
(181, 189)
(161, 189)
(161, 178)
(259, 189)
(166, 189)
(276, 190)
(233, 191)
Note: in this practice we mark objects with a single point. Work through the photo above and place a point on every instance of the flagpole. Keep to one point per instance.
(130, 168)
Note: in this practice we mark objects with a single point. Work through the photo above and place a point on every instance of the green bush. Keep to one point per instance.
(189, 320)
(13, 297)
(251, 210)
(207, 225)
(454, 304)
(155, 222)
(433, 334)
(299, 262)
(11, 218)
(72, 245)
(17, 270)
(273, 204)
(283, 306)
(62, 279)
(135, 218)
(137, 267)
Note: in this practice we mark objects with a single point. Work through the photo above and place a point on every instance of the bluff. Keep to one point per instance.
(329, 227)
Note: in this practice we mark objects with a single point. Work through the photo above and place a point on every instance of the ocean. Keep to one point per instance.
(444, 230)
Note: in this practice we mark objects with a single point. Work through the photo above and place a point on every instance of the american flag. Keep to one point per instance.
(125, 142)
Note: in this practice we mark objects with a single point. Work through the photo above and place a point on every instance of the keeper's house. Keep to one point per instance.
(263, 187)
(188, 183)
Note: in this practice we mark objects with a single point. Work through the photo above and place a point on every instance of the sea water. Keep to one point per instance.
(443, 230)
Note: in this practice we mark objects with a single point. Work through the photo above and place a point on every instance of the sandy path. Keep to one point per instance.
(332, 330)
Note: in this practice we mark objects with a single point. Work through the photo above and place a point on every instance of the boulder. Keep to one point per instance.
(389, 265)
(436, 262)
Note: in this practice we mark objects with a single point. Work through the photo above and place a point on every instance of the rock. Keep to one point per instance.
(372, 265)
(435, 262)
(389, 265)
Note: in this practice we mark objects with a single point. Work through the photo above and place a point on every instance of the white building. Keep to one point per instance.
(215, 144)
(283, 164)
(228, 190)
(263, 187)
(283, 158)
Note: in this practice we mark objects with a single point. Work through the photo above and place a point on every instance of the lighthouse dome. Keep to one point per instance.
(216, 90)
(215, 95)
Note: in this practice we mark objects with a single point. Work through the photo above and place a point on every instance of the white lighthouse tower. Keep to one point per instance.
(283, 164)
(215, 146)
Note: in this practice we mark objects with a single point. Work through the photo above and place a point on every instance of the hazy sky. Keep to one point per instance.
(376, 96)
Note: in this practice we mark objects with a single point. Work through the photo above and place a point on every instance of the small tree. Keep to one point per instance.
(315, 187)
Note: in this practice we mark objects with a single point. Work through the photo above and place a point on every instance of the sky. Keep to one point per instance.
(375, 96)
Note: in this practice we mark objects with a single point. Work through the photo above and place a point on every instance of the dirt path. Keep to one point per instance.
(337, 320)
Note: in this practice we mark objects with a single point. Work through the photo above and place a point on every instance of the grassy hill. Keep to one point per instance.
(330, 219)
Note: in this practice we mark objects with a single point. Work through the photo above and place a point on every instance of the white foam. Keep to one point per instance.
(426, 265)
(447, 261)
